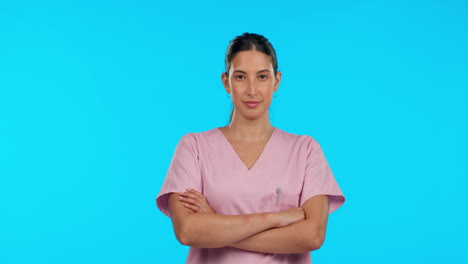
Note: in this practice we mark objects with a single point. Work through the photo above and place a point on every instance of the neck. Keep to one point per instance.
(252, 130)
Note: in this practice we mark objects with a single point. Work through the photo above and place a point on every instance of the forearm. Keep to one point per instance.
(303, 236)
(205, 230)
(296, 238)
(211, 230)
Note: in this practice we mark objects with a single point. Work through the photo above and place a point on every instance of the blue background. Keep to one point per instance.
(94, 97)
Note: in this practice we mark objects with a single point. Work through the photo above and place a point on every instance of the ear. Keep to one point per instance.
(277, 81)
(225, 81)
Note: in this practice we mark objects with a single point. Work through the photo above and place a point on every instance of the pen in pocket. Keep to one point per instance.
(278, 195)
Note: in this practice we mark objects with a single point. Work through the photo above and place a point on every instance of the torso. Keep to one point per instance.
(247, 182)
(242, 177)
(248, 152)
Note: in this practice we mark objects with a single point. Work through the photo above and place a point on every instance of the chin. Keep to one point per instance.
(253, 116)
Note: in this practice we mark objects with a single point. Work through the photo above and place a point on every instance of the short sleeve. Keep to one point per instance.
(319, 179)
(183, 172)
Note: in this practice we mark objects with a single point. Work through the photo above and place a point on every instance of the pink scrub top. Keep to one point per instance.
(207, 162)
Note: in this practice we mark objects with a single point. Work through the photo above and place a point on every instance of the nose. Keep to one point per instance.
(252, 88)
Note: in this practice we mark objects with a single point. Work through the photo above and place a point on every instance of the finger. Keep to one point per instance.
(195, 198)
(190, 200)
(192, 207)
(194, 202)
(197, 193)
(193, 192)
(192, 197)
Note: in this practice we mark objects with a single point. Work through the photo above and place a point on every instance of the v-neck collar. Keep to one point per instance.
(265, 148)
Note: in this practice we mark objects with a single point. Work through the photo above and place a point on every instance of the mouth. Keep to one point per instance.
(252, 104)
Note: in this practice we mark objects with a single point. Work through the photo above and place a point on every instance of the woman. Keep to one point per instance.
(249, 192)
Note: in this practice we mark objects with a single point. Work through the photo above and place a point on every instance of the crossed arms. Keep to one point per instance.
(296, 230)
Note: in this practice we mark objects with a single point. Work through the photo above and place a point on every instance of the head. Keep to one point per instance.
(251, 75)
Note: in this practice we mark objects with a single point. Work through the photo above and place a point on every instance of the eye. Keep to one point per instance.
(239, 77)
(263, 77)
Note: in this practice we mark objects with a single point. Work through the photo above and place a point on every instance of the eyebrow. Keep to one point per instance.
(264, 70)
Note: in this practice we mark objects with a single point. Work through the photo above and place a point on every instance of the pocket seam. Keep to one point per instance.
(288, 201)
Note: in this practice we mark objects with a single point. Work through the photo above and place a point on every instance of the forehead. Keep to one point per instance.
(251, 60)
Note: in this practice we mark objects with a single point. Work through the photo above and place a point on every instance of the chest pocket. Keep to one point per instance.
(283, 200)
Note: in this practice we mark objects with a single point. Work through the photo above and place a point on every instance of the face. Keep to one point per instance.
(251, 83)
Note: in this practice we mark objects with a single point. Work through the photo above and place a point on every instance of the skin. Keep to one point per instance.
(211, 230)
(304, 235)
(250, 78)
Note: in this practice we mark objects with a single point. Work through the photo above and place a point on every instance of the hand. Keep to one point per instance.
(195, 201)
(288, 217)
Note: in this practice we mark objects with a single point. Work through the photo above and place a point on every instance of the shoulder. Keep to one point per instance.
(194, 136)
(195, 139)
(296, 139)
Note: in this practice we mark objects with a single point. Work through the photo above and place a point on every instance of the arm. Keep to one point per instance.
(302, 236)
(211, 230)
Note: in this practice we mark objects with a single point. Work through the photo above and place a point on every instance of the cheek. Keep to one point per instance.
(267, 89)
(237, 89)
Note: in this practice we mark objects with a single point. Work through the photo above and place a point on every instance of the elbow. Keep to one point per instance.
(315, 242)
(183, 235)
(184, 240)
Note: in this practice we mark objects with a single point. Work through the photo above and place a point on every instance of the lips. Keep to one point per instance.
(252, 104)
